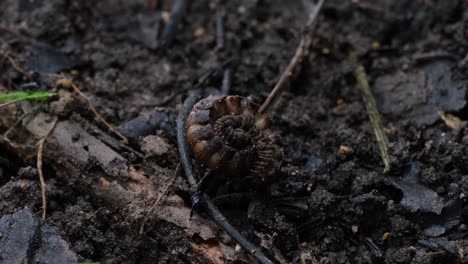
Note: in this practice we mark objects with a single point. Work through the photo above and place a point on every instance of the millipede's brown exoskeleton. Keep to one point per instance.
(229, 136)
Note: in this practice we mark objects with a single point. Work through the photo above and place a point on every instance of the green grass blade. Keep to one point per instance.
(26, 96)
(21, 96)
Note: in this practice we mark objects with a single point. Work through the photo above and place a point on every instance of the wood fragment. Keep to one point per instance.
(116, 183)
(374, 115)
(99, 117)
(39, 167)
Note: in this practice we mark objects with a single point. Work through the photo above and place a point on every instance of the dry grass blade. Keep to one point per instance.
(39, 167)
(374, 115)
(5, 135)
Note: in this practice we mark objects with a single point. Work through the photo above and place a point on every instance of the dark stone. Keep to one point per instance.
(25, 240)
(142, 126)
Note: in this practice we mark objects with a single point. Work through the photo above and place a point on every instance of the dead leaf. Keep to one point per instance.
(417, 95)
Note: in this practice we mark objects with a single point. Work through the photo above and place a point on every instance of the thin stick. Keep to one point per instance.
(11, 102)
(301, 51)
(374, 115)
(183, 148)
(99, 117)
(16, 67)
(161, 196)
(226, 85)
(22, 117)
(177, 12)
(5, 135)
(39, 167)
(219, 27)
(205, 199)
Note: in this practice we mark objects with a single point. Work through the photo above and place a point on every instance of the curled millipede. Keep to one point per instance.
(227, 135)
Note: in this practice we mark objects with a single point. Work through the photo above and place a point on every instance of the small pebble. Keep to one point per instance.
(385, 236)
(375, 45)
(412, 248)
(24, 186)
(165, 16)
(295, 173)
(65, 83)
(238, 248)
(154, 145)
(199, 32)
(345, 150)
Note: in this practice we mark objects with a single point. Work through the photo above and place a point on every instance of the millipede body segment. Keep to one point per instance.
(227, 135)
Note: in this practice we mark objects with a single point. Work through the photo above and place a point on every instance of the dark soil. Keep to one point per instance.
(328, 206)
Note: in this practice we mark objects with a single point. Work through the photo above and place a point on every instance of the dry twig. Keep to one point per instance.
(301, 51)
(99, 117)
(39, 166)
(15, 65)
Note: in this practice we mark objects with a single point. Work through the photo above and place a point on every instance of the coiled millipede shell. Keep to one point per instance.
(229, 136)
